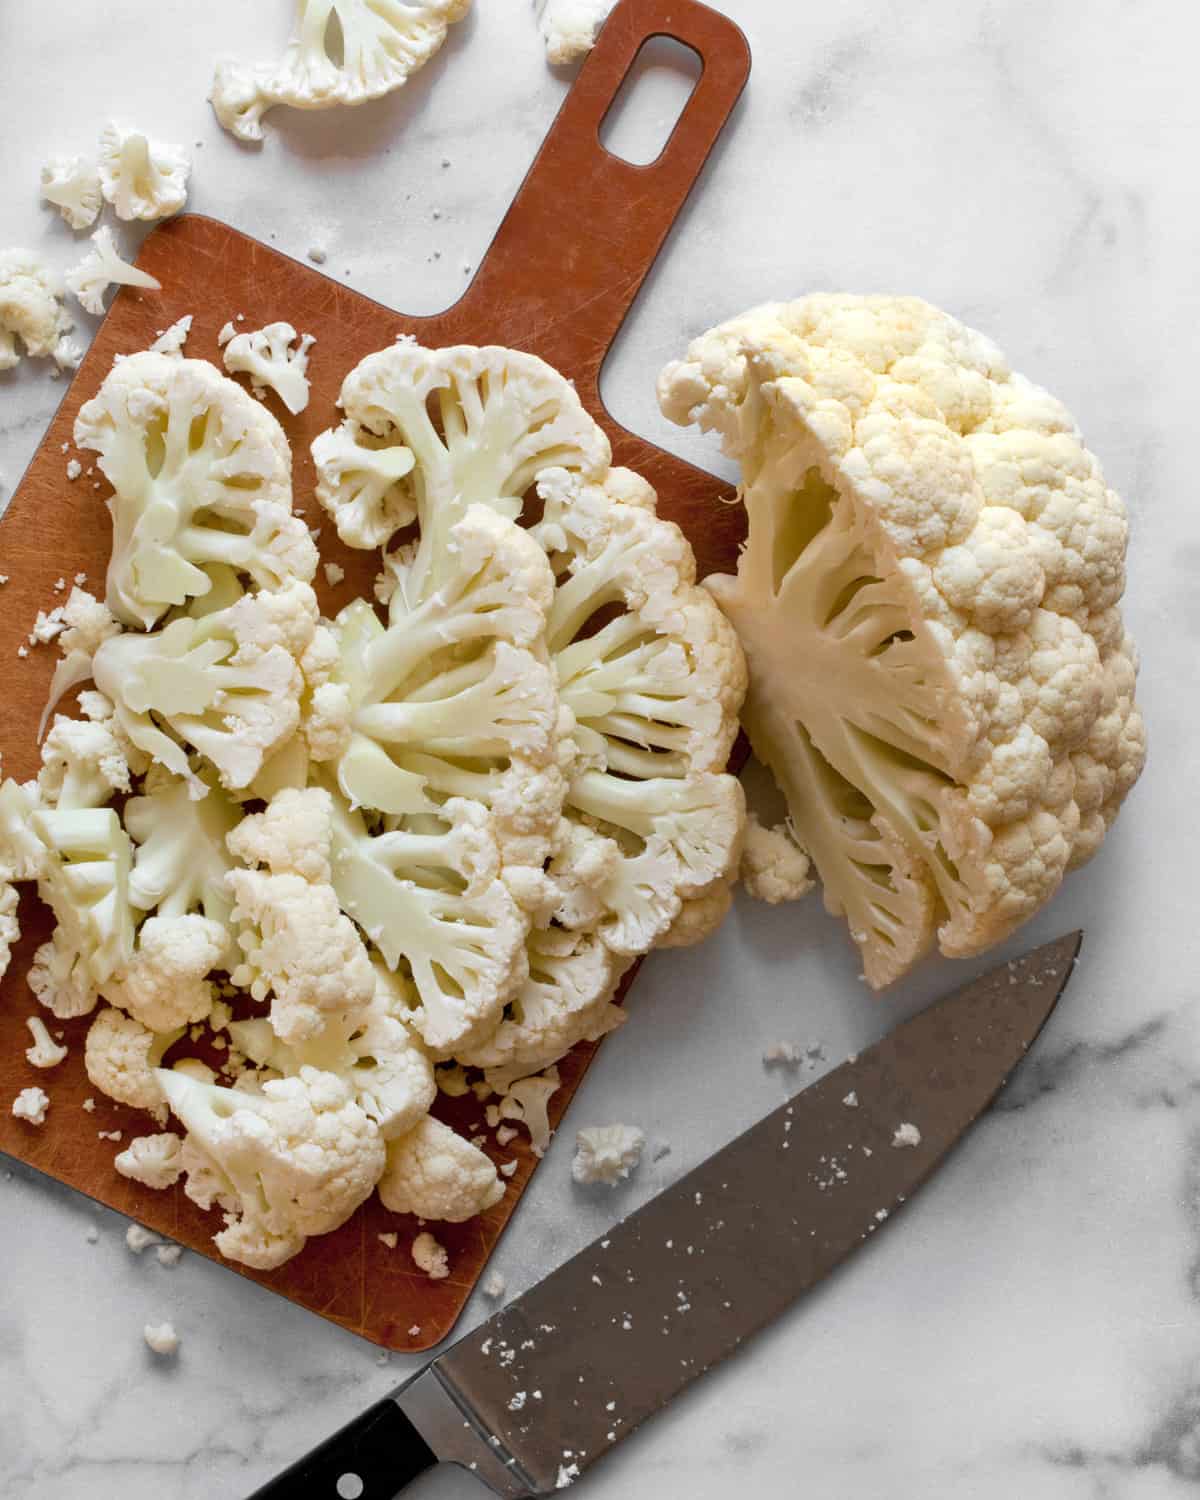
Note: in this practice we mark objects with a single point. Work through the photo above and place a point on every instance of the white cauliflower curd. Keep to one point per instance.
(939, 675)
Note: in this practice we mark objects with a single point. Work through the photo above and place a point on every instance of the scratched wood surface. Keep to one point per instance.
(558, 280)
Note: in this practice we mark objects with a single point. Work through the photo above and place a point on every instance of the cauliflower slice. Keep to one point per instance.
(229, 684)
(434, 901)
(774, 868)
(156, 1161)
(31, 310)
(569, 27)
(72, 185)
(359, 485)
(101, 268)
(607, 1153)
(202, 476)
(84, 879)
(940, 679)
(121, 1057)
(293, 1160)
(181, 860)
(343, 52)
(267, 356)
(435, 1174)
(142, 179)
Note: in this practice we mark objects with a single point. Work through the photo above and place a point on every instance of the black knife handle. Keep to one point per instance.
(371, 1458)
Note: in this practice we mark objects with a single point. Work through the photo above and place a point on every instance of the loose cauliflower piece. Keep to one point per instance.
(433, 900)
(293, 1160)
(435, 1174)
(156, 1161)
(202, 477)
(382, 42)
(31, 1105)
(101, 268)
(45, 1051)
(121, 1057)
(428, 1255)
(31, 310)
(569, 27)
(940, 679)
(142, 179)
(181, 860)
(291, 837)
(171, 340)
(774, 868)
(607, 1153)
(528, 1100)
(359, 485)
(84, 879)
(229, 684)
(72, 184)
(267, 356)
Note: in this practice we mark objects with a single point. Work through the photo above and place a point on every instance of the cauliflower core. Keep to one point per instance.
(939, 676)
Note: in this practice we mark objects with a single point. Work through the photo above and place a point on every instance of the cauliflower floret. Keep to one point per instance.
(121, 1057)
(171, 340)
(528, 1100)
(436, 1174)
(202, 478)
(429, 1256)
(607, 1153)
(774, 868)
(267, 356)
(103, 267)
(72, 184)
(292, 837)
(82, 764)
(45, 1051)
(141, 179)
(940, 681)
(31, 310)
(569, 27)
(382, 43)
(156, 1161)
(292, 1161)
(166, 985)
(359, 484)
(31, 1105)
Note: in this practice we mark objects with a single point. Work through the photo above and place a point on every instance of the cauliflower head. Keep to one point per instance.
(940, 680)
(435, 1174)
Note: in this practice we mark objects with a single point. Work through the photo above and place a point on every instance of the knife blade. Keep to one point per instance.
(533, 1397)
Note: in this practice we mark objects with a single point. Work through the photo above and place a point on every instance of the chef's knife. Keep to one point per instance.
(534, 1396)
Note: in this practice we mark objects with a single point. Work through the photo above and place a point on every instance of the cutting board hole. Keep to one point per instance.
(642, 117)
(349, 1487)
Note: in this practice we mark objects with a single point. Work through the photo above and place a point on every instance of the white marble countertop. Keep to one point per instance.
(1032, 1327)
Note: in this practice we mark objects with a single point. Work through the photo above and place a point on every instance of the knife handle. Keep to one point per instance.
(372, 1458)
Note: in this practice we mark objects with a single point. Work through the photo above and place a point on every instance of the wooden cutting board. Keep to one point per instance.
(558, 280)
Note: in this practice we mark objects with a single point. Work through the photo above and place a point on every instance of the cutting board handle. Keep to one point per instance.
(585, 218)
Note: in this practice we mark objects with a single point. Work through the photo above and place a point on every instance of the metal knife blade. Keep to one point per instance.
(533, 1397)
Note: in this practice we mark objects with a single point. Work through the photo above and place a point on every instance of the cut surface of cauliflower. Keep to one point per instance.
(72, 185)
(607, 1153)
(267, 356)
(161, 1339)
(940, 679)
(142, 179)
(342, 52)
(31, 311)
(434, 1173)
(774, 868)
(101, 268)
(569, 27)
(201, 474)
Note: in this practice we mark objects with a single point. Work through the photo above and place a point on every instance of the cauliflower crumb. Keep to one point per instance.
(138, 1239)
(89, 1104)
(161, 1338)
(774, 868)
(430, 1257)
(494, 1285)
(168, 1255)
(31, 1105)
(47, 626)
(567, 1475)
(607, 1153)
(507, 1168)
(74, 469)
(851, 1100)
(334, 574)
(388, 1239)
(786, 1054)
(414, 1331)
(906, 1135)
(108, 1135)
(45, 1052)
(452, 1081)
(505, 1134)
(171, 340)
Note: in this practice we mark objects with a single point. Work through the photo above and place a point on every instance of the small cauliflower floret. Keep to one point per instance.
(31, 310)
(429, 1256)
(607, 1153)
(142, 179)
(569, 27)
(228, 683)
(291, 1161)
(72, 184)
(774, 868)
(360, 485)
(121, 1057)
(167, 983)
(292, 837)
(528, 1100)
(381, 42)
(940, 680)
(434, 900)
(31, 1105)
(201, 474)
(45, 1051)
(155, 1161)
(435, 1174)
(103, 267)
(82, 764)
(171, 340)
(267, 356)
